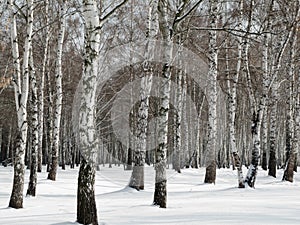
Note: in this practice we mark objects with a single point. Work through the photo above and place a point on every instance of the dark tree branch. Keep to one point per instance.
(112, 11)
(180, 18)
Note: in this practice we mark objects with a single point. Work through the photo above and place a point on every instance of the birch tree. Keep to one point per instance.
(292, 119)
(86, 204)
(137, 177)
(160, 194)
(42, 86)
(232, 101)
(210, 174)
(59, 92)
(34, 127)
(21, 87)
(257, 106)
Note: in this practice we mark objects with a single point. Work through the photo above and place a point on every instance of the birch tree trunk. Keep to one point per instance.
(273, 131)
(86, 203)
(49, 123)
(264, 141)
(232, 104)
(41, 89)
(297, 121)
(210, 174)
(185, 129)
(58, 102)
(137, 177)
(160, 193)
(21, 87)
(291, 142)
(181, 141)
(177, 144)
(34, 129)
(257, 108)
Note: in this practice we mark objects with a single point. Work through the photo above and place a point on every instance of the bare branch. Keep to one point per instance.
(112, 11)
(178, 19)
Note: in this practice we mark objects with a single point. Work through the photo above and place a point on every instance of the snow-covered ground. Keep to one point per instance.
(189, 200)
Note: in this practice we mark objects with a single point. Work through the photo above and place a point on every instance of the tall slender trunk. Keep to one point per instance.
(21, 86)
(59, 94)
(232, 102)
(292, 132)
(160, 193)
(178, 117)
(264, 140)
(34, 129)
(273, 131)
(257, 107)
(137, 177)
(41, 89)
(86, 202)
(49, 123)
(186, 155)
(210, 174)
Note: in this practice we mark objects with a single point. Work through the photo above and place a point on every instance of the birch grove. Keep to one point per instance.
(240, 111)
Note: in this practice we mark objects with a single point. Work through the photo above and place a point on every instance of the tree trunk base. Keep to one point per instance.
(137, 178)
(86, 203)
(31, 191)
(160, 194)
(210, 174)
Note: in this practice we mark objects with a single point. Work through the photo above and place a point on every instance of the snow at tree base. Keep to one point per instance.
(190, 201)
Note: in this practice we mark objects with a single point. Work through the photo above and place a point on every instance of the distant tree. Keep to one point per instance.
(137, 177)
(59, 91)
(293, 104)
(42, 86)
(232, 98)
(34, 129)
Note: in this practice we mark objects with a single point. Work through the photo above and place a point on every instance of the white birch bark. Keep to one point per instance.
(59, 94)
(49, 123)
(291, 140)
(264, 140)
(257, 108)
(21, 87)
(232, 103)
(41, 88)
(160, 194)
(178, 117)
(86, 204)
(34, 130)
(184, 121)
(181, 127)
(137, 177)
(273, 129)
(210, 174)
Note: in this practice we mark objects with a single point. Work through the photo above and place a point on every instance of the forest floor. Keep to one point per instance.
(190, 201)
